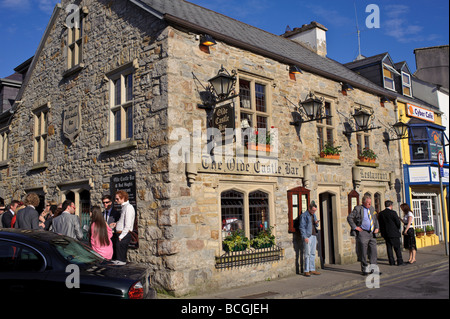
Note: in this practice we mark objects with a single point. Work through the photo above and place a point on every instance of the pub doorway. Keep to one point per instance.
(327, 205)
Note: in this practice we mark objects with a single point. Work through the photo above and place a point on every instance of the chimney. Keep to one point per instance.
(311, 35)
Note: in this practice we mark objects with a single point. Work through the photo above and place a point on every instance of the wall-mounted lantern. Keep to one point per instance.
(293, 69)
(346, 88)
(311, 109)
(400, 130)
(362, 120)
(207, 40)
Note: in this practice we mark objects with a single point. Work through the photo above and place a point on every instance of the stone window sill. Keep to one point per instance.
(73, 70)
(327, 161)
(118, 146)
(39, 166)
(4, 163)
(366, 164)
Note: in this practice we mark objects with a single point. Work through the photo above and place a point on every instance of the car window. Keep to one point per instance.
(16, 257)
(75, 252)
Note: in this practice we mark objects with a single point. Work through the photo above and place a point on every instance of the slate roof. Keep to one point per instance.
(238, 33)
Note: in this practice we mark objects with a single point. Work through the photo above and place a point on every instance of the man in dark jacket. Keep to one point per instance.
(390, 230)
(9, 214)
(28, 217)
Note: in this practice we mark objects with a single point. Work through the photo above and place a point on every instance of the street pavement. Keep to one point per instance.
(332, 278)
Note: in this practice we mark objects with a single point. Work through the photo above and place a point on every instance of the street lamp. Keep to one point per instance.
(223, 84)
(312, 109)
(400, 130)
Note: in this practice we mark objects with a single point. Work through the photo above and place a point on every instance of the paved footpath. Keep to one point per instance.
(332, 278)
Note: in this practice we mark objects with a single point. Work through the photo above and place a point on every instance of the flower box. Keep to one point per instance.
(329, 156)
(366, 159)
(259, 147)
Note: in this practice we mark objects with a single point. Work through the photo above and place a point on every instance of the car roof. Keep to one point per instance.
(31, 236)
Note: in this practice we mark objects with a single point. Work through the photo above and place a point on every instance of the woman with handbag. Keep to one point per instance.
(409, 239)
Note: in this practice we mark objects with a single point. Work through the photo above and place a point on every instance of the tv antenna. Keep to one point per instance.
(360, 56)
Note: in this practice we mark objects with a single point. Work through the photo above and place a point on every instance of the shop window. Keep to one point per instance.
(240, 211)
(419, 143)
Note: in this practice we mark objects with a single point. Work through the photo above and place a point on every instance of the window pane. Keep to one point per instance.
(260, 94)
(258, 212)
(117, 92)
(261, 122)
(14, 257)
(420, 151)
(117, 126)
(244, 94)
(129, 86)
(406, 90)
(359, 143)
(387, 73)
(129, 112)
(389, 83)
(330, 135)
(320, 138)
(328, 113)
(405, 78)
(232, 205)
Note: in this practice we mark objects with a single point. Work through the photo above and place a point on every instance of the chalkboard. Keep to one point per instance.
(424, 209)
(223, 117)
(127, 182)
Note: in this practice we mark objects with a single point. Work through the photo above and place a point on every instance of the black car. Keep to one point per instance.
(42, 263)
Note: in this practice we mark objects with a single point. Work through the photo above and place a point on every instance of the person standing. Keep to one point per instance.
(68, 223)
(124, 227)
(8, 215)
(363, 221)
(308, 230)
(100, 234)
(28, 217)
(390, 230)
(409, 239)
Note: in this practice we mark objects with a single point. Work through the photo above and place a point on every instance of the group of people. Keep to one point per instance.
(109, 230)
(365, 224)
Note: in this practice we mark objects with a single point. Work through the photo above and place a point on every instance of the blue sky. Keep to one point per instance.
(404, 25)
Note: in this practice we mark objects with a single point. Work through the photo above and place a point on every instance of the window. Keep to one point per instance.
(16, 257)
(40, 134)
(325, 128)
(74, 44)
(406, 84)
(362, 141)
(3, 146)
(388, 79)
(121, 103)
(247, 211)
(254, 104)
(419, 143)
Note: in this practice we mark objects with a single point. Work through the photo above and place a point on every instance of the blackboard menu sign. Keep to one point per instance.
(127, 182)
(424, 209)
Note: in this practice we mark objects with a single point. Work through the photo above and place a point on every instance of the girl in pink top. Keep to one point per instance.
(100, 234)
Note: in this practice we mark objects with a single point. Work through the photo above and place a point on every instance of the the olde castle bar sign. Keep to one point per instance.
(72, 121)
(251, 166)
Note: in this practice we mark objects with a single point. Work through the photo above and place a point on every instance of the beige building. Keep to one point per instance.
(117, 101)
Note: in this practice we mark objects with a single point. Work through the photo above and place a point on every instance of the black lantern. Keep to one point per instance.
(312, 106)
(362, 119)
(222, 84)
(400, 129)
(207, 40)
(293, 69)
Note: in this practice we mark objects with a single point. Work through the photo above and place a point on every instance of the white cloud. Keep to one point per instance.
(399, 27)
(15, 4)
(47, 5)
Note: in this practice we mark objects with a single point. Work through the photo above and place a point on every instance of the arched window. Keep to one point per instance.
(377, 202)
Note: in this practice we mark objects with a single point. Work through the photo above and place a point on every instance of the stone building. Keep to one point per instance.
(117, 100)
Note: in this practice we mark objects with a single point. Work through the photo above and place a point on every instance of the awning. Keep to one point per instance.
(423, 194)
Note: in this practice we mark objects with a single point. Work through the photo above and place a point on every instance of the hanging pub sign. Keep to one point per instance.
(127, 182)
(223, 117)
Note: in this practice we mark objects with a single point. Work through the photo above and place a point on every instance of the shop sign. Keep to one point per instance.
(250, 166)
(419, 174)
(223, 117)
(72, 122)
(420, 113)
(371, 174)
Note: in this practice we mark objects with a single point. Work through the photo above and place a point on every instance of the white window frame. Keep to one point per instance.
(409, 86)
(390, 78)
(75, 44)
(4, 139)
(40, 133)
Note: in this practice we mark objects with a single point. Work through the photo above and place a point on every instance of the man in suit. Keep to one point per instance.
(28, 217)
(390, 230)
(68, 223)
(110, 214)
(364, 222)
(9, 214)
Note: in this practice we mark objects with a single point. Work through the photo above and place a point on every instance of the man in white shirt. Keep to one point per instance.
(124, 227)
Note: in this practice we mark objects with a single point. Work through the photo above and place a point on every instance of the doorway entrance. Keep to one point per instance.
(327, 205)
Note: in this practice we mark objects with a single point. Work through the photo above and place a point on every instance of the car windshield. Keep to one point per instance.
(75, 252)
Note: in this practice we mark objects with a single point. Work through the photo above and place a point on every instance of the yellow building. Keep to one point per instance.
(426, 138)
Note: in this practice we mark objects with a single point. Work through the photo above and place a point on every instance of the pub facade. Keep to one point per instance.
(123, 100)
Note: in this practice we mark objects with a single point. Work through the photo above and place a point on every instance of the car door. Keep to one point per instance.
(22, 269)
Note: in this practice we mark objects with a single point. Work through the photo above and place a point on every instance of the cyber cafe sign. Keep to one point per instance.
(420, 113)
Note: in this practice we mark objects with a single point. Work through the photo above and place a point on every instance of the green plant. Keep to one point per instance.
(264, 239)
(419, 230)
(236, 241)
(330, 149)
(367, 152)
(429, 228)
